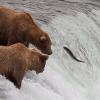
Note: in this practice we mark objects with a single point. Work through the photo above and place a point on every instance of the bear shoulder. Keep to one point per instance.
(18, 46)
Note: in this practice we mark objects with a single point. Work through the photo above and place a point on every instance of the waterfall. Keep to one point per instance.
(64, 78)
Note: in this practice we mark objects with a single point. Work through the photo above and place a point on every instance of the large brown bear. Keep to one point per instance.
(16, 59)
(20, 27)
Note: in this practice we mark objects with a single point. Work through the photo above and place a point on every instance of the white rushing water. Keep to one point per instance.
(64, 78)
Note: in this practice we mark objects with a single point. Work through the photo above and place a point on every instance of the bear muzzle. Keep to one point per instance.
(39, 71)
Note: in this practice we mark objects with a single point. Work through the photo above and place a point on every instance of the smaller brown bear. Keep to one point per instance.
(16, 59)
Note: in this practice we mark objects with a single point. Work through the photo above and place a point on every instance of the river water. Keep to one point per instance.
(71, 23)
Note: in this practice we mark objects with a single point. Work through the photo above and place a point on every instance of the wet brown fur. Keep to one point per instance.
(20, 27)
(16, 59)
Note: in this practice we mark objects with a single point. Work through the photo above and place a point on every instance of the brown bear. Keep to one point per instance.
(16, 59)
(20, 27)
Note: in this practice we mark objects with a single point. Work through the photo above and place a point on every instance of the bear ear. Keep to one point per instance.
(44, 57)
(42, 38)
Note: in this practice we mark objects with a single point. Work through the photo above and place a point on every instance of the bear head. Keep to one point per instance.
(33, 33)
(38, 61)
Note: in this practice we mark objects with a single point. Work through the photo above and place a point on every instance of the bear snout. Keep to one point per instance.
(50, 53)
(39, 71)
